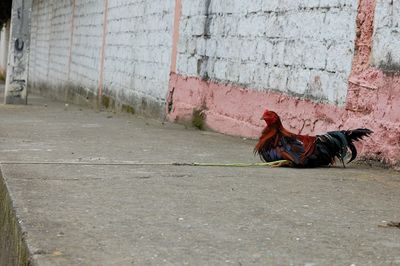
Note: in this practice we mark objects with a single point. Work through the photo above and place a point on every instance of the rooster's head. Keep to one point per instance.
(270, 117)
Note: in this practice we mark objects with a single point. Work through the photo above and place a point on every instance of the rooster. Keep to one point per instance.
(278, 144)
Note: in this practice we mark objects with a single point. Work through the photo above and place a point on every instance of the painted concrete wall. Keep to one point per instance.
(111, 52)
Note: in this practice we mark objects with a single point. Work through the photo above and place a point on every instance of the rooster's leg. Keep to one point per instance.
(281, 163)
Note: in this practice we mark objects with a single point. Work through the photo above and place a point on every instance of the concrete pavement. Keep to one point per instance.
(140, 214)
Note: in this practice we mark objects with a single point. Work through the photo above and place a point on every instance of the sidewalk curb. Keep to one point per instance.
(13, 247)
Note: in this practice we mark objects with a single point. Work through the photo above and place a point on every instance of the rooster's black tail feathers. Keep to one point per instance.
(337, 142)
(355, 135)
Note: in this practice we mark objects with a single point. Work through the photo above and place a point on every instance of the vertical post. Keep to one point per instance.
(71, 39)
(18, 56)
(175, 34)
(4, 41)
(102, 53)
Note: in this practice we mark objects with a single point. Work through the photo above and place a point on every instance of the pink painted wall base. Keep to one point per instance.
(236, 111)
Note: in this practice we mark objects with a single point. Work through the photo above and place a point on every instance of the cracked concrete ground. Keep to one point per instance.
(93, 214)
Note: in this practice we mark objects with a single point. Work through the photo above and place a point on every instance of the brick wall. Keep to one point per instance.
(386, 44)
(74, 52)
(40, 37)
(58, 50)
(86, 43)
(138, 51)
(303, 48)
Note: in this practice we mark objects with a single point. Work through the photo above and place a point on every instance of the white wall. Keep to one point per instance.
(299, 47)
(303, 48)
(386, 39)
(138, 48)
(40, 42)
(4, 43)
(67, 43)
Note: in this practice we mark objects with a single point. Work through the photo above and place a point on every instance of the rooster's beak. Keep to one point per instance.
(261, 118)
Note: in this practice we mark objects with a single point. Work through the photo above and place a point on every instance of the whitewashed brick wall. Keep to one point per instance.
(40, 41)
(51, 38)
(59, 42)
(137, 50)
(303, 48)
(386, 39)
(87, 41)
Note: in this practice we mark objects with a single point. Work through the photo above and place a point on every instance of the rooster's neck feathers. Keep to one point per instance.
(272, 133)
